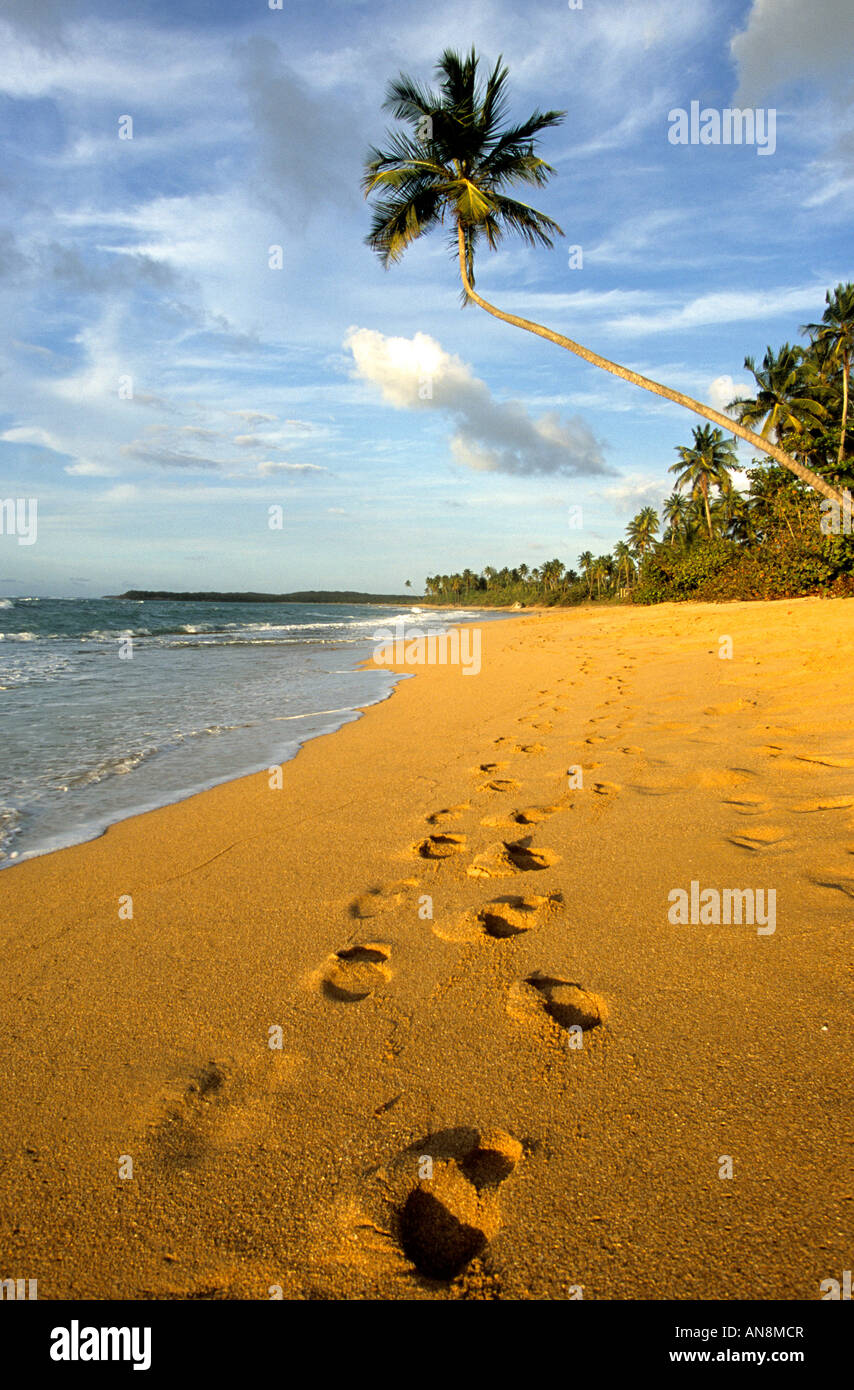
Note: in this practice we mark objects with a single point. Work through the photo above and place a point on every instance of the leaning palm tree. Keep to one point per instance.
(454, 169)
(705, 466)
(836, 333)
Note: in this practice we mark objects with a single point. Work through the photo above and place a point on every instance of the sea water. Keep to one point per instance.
(94, 727)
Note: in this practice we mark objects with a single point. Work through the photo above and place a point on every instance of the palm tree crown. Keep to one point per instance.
(642, 530)
(783, 402)
(706, 465)
(456, 163)
(454, 167)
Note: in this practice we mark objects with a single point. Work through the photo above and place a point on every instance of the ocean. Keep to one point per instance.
(96, 728)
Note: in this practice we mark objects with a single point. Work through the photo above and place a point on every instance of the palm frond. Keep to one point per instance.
(534, 227)
(398, 221)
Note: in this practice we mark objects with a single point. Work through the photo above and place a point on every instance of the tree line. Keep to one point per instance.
(712, 539)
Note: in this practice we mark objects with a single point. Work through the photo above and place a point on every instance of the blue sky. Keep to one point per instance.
(142, 266)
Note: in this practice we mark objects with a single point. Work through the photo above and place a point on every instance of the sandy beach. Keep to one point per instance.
(417, 1024)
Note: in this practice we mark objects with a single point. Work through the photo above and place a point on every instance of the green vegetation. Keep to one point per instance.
(776, 539)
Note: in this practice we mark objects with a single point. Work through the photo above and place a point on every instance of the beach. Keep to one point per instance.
(418, 1019)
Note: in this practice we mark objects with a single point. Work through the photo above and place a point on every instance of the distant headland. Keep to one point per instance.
(305, 596)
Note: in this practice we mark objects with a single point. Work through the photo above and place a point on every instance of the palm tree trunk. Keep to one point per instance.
(704, 488)
(806, 475)
(846, 368)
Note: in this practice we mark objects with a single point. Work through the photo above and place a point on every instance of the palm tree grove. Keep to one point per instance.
(773, 526)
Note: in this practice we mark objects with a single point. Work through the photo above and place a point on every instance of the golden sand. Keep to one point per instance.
(418, 1024)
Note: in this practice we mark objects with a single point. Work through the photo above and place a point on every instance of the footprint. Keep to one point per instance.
(210, 1081)
(827, 803)
(354, 972)
(450, 1218)
(566, 1003)
(506, 858)
(440, 846)
(502, 820)
(182, 1138)
(492, 1160)
(532, 815)
(606, 788)
(841, 882)
(747, 805)
(508, 916)
(501, 784)
(824, 760)
(440, 1228)
(378, 900)
(530, 749)
(760, 837)
(448, 814)
(722, 778)
(490, 767)
(731, 707)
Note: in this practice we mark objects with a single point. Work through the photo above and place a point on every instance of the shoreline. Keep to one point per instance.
(366, 911)
(101, 817)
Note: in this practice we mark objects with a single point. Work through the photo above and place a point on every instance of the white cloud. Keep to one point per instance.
(33, 434)
(723, 390)
(490, 436)
(85, 469)
(724, 306)
(636, 490)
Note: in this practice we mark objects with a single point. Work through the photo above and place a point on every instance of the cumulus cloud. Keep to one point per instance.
(489, 436)
(723, 390)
